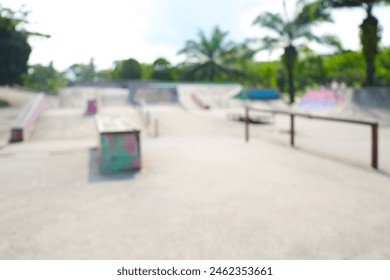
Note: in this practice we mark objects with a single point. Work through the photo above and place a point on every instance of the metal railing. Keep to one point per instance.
(374, 127)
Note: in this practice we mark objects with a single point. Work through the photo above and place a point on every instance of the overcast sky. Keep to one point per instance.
(148, 29)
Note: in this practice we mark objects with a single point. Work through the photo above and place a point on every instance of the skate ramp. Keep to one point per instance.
(17, 98)
(77, 97)
(367, 103)
(315, 99)
(211, 95)
(152, 92)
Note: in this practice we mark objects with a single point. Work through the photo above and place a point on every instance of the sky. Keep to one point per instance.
(148, 29)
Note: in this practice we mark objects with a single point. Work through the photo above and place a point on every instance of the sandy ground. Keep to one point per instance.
(203, 193)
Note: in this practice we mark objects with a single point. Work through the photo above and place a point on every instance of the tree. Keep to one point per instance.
(383, 67)
(261, 74)
(162, 70)
(311, 70)
(43, 78)
(128, 69)
(288, 32)
(104, 75)
(146, 71)
(210, 58)
(80, 72)
(347, 66)
(369, 32)
(14, 47)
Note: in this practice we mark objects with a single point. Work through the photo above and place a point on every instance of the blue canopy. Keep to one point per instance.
(258, 94)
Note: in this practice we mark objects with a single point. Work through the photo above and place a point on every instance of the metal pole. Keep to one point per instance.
(292, 131)
(247, 124)
(374, 146)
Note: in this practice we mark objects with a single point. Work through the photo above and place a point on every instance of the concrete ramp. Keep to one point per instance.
(77, 97)
(212, 95)
(17, 98)
(316, 99)
(153, 92)
(368, 103)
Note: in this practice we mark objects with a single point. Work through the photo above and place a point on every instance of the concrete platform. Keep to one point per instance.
(202, 193)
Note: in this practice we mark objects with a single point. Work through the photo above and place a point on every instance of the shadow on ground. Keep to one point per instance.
(95, 176)
(343, 160)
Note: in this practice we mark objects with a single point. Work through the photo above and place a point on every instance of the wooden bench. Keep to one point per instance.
(25, 122)
(120, 148)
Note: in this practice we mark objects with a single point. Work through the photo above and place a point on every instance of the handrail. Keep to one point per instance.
(311, 116)
(292, 114)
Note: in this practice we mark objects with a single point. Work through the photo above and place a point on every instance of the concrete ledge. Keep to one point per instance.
(119, 148)
(25, 122)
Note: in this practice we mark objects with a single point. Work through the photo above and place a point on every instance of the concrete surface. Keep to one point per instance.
(213, 95)
(203, 193)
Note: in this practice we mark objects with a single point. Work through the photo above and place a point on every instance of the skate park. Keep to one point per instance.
(202, 191)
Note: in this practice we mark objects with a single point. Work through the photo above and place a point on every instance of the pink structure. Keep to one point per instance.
(92, 107)
(321, 99)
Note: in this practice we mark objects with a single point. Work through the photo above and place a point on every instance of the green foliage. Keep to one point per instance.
(181, 72)
(14, 47)
(370, 37)
(366, 4)
(281, 79)
(369, 31)
(261, 74)
(79, 72)
(3, 103)
(347, 67)
(314, 70)
(311, 72)
(162, 70)
(105, 75)
(286, 31)
(43, 78)
(211, 59)
(290, 57)
(128, 69)
(383, 67)
(146, 71)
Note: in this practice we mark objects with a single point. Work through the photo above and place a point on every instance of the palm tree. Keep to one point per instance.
(211, 57)
(288, 32)
(369, 31)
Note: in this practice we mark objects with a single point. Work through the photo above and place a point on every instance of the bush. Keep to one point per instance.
(3, 103)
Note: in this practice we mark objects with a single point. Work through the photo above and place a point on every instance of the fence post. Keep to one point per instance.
(374, 145)
(247, 124)
(292, 130)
